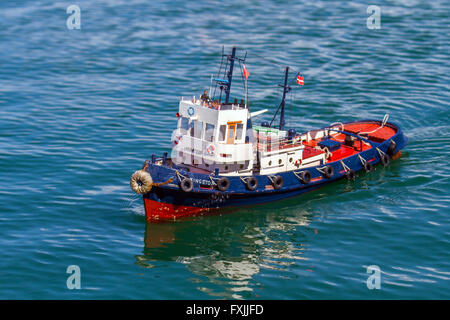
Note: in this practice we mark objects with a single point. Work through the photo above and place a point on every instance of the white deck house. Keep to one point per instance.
(218, 137)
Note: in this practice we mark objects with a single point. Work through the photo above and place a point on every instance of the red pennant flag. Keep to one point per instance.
(246, 73)
(300, 80)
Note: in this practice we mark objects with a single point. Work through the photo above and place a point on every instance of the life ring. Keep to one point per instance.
(141, 182)
(350, 175)
(277, 182)
(305, 177)
(328, 172)
(190, 111)
(368, 166)
(210, 150)
(186, 185)
(251, 183)
(384, 159)
(223, 184)
(391, 149)
(298, 162)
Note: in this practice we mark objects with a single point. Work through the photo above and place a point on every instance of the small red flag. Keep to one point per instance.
(246, 73)
(300, 80)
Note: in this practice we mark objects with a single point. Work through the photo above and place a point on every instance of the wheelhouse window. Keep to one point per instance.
(209, 132)
(239, 131)
(196, 129)
(183, 124)
(222, 131)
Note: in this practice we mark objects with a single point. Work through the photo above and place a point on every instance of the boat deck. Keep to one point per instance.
(374, 131)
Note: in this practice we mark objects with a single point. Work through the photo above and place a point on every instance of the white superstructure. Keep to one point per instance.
(212, 137)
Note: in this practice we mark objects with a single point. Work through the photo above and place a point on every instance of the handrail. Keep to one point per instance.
(353, 135)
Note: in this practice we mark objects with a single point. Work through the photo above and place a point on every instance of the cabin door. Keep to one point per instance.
(231, 133)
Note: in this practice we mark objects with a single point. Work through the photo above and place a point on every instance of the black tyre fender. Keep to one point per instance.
(223, 184)
(305, 177)
(186, 185)
(368, 167)
(391, 149)
(277, 182)
(384, 159)
(251, 183)
(350, 175)
(328, 172)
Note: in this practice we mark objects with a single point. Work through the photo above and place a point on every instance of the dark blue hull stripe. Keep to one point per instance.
(238, 195)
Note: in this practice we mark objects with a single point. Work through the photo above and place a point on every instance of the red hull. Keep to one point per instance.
(155, 210)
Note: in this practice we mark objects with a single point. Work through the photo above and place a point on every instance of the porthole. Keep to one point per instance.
(279, 161)
(290, 159)
(270, 162)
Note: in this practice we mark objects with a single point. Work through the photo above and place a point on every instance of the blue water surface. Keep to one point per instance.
(81, 109)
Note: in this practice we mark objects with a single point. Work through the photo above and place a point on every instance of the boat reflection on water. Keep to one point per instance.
(229, 250)
(158, 235)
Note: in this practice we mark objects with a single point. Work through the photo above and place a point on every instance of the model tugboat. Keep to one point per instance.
(221, 159)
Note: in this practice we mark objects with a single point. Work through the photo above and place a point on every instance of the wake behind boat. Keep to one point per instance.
(220, 159)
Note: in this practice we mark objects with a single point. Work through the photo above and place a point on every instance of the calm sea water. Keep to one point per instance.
(80, 110)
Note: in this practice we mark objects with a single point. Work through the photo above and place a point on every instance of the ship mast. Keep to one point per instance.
(225, 82)
(286, 89)
(230, 75)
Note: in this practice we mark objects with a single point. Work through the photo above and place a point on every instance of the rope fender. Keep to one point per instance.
(141, 182)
